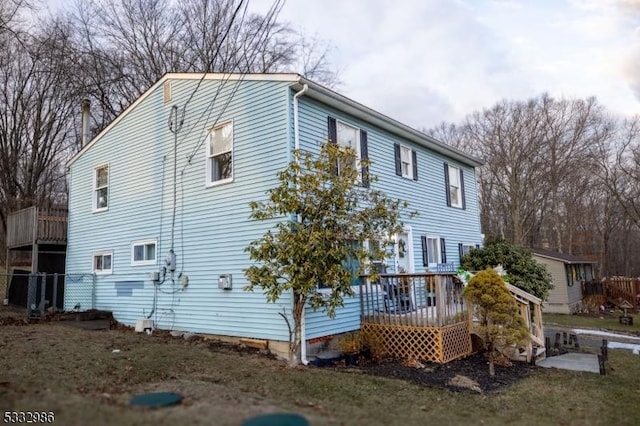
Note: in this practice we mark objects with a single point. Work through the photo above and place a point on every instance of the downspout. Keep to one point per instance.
(296, 130)
(296, 145)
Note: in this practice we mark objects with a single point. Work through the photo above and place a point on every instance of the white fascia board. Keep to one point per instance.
(183, 76)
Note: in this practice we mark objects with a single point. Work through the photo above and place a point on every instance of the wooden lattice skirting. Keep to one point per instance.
(438, 344)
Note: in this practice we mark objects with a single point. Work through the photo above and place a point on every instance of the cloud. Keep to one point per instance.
(423, 62)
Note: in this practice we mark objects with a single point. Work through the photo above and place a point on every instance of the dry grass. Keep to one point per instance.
(75, 373)
(606, 321)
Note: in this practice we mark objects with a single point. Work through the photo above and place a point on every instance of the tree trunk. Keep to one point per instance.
(296, 343)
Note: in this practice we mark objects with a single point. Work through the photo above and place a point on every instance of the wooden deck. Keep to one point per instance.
(36, 226)
(424, 316)
(421, 316)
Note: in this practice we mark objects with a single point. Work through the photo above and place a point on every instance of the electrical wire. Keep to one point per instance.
(265, 24)
(176, 122)
(217, 52)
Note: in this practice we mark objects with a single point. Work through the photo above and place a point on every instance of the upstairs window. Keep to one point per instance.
(348, 136)
(103, 262)
(143, 252)
(406, 162)
(220, 154)
(454, 183)
(101, 188)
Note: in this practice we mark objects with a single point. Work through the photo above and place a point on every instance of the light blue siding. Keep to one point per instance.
(427, 195)
(212, 225)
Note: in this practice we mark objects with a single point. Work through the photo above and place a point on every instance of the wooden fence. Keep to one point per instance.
(615, 289)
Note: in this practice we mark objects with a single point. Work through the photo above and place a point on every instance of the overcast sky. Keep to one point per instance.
(426, 61)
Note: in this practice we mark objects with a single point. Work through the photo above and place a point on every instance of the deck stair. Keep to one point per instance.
(531, 311)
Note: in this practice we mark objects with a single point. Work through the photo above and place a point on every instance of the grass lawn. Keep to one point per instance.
(608, 321)
(76, 374)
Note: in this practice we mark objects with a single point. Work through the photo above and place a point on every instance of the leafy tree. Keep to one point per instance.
(497, 312)
(327, 216)
(521, 268)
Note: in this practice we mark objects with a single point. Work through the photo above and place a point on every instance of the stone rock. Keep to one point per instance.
(465, 382)
(189, 336)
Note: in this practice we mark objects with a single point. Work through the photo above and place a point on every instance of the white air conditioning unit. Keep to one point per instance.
(143, 325)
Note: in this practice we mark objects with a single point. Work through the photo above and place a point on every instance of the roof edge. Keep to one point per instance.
(316, 90)
(390, 124)
(285, 77)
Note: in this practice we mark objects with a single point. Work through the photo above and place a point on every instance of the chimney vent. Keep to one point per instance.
(86, 114)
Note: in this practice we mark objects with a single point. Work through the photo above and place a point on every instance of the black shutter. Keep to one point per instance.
(443, 251)
(332, 130)
(425, 253)
(446, 184)
(396, 148)
(414, 158)
(464, 203)
(478, 246)
(364, 155)
(460, 251)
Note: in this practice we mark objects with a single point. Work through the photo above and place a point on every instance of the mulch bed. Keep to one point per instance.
(470, 374)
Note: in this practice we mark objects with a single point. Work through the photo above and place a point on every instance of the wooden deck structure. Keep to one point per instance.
(421, 316)
(424, 316)
(42, 231)
(615, 290)
(531, 311)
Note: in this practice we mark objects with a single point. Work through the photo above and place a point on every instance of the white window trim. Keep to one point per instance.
(94, 200)
(409, 175)
(457, 202)
(143, 243)
(408, 253)
(469, 246)
(438, 251)
(208, 158)
(101, 253)
(357, 147)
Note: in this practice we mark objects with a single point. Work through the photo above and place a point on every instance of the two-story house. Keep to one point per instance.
(159, 200)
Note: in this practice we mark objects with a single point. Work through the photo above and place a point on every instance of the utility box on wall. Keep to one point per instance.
(224, 282)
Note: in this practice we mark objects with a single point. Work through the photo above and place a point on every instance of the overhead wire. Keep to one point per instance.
(261, 35)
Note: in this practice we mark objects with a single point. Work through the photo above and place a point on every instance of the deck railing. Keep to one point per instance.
(430, 300)
(26, 226)
(615, 289)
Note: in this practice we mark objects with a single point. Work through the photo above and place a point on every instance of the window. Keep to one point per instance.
(454, 182)
(349, 136)
(434, 251)
(220, 154)
(143, 252)
(406, 162)
(101, 188)
(464, 248)
(103, 262)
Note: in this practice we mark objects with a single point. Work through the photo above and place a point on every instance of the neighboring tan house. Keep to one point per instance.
(568, 273)
(159, 200)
